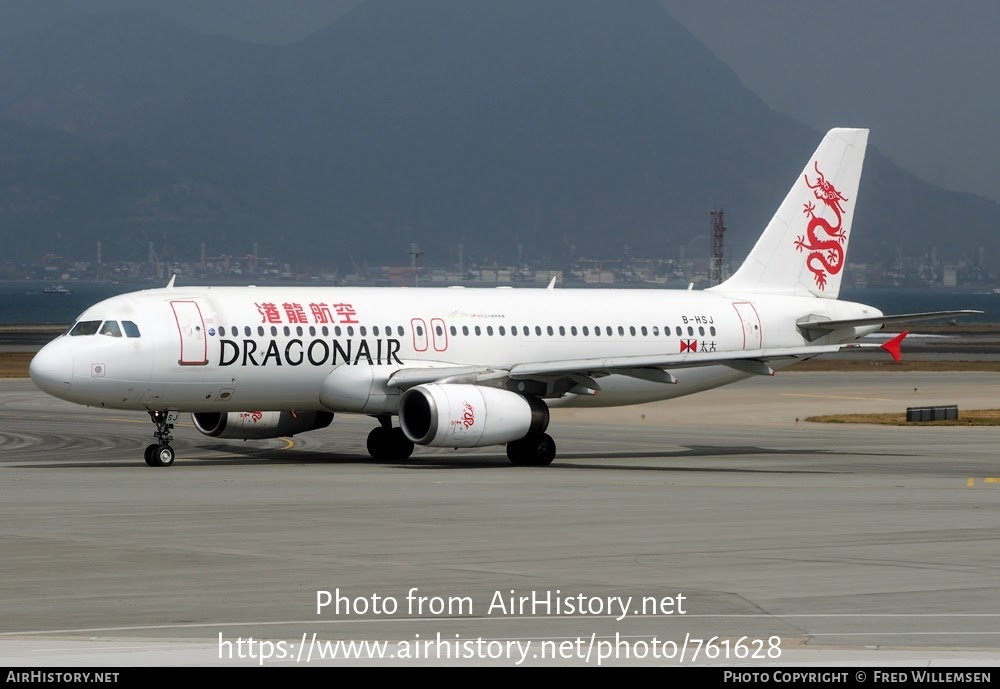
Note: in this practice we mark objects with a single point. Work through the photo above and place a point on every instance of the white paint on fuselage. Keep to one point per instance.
(146, 373)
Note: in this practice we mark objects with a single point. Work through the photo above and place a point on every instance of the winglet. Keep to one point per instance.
(170, 284)
(892, 346)
(552, 283)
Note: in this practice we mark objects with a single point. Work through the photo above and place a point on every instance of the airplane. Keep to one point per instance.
(472, 367)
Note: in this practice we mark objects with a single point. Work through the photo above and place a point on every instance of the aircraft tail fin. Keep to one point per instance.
(803, 249)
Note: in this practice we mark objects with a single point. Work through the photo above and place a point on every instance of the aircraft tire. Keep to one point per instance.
(401, 446)
(532, 451)
(162, 456)
(148, 454)
(379, 444)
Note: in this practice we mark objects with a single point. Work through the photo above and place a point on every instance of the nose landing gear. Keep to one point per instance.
(160, 454)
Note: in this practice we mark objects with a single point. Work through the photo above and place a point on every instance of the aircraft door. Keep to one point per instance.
(752, 335)
(439, 335)
(191, 328)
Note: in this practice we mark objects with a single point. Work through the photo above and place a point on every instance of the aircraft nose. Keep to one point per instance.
(51, 370)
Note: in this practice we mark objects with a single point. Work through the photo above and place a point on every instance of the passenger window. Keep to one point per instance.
(572, 330)
(454, 331)
(111, 328)
(399, 329)
(690, 330)
(538, 330)
(644, 331)
(701, 330)
(364, 331)
(549, 330)
(621, 330)
(631, 330)
(478, 331)
(489, 329)
(597, 331)
(246, 330)
(609, 331)
(260, 330)
(586, 330)
(274, 331)
(132, 330)
(312, 331)
(502, 330)
(679, 331)
(562, 329)
(325, 331)
(286, 331)
(465, 330)
(712, 330)
(656, 330)
(375, 330)
(85, 328)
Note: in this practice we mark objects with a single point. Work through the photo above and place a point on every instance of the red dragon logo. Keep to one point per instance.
(826, 256)
(469, 417)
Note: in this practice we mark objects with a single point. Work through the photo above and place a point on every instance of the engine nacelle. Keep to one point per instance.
(256, 425)
(454, 415)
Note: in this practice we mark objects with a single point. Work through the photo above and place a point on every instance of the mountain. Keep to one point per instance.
(564, 125)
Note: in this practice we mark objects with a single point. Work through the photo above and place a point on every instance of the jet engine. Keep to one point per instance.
(256, 425)
(454, 415)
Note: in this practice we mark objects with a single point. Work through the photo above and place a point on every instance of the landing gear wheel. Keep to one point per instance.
(389, 445)
(161, 456)
(532, 451)
(378, 444)
(401, 445)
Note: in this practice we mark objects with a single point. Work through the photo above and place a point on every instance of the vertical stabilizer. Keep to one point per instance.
(804, 248)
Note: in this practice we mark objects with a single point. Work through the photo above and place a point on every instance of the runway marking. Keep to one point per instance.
(288, 443)
(838, 397)
(989, 479)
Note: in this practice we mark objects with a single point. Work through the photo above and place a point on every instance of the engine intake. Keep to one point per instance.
(256, 425)
(454, 415)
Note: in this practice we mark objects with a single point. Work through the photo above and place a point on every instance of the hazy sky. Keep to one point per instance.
(922, 74)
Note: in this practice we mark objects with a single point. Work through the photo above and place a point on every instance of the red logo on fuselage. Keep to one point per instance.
(826, 254)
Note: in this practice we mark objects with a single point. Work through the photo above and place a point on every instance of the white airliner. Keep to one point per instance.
(471, 367)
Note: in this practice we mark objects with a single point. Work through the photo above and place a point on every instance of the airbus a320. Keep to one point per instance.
(461, 367)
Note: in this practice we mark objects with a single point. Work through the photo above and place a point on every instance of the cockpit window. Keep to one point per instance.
(111, 328)
(85, 328)
(131, 329)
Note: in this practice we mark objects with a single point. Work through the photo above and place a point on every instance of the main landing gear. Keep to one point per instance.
(160, 454)
(536, 450)
(388, 444)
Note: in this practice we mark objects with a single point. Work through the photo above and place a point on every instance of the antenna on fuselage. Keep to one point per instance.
(552, 283)
(170, 283)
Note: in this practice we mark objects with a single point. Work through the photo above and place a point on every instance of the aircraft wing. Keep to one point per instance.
(652, 367)
(647, 367)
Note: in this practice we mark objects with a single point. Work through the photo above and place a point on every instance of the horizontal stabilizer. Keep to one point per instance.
(823, 327)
